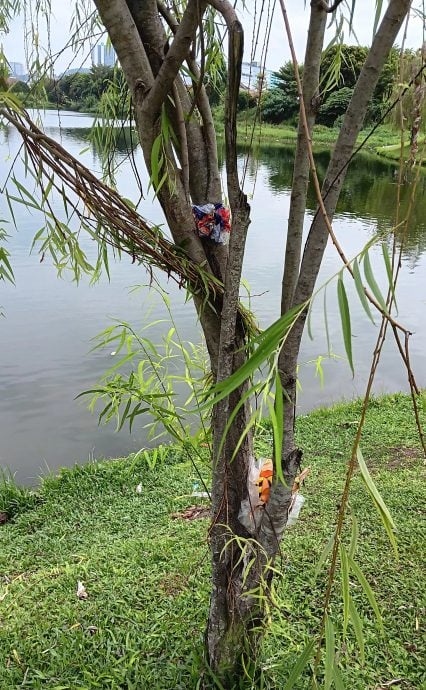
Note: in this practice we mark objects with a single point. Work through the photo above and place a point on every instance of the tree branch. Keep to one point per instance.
(175, 56)
(331, 8)
(299, 190)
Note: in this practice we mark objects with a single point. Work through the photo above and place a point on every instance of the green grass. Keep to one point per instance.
(393, 152)
(147, 575)
(323, 137)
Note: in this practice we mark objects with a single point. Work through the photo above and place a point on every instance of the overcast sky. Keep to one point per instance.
(278, 48)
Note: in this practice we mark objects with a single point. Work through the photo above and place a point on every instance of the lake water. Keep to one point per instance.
(48, 324)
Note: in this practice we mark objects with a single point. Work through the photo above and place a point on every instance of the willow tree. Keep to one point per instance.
(160, 46)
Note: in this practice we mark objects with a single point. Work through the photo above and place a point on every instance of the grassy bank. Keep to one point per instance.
(323, 137)
(147, 574)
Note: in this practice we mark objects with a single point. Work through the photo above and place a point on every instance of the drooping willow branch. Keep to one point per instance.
(108, 218)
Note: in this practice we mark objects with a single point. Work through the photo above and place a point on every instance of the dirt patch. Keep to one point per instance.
(192, 513)
(173, 584)
(401, 456)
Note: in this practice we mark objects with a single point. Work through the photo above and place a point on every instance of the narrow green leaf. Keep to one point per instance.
(279, 432)
(344, 571)
(325, 554)
(359, 634)
(346, 321)
(309, 319)
(327, 331)
(372, 282)
(354, 537)
(155, 158)
(367, 591)
(379, 4)
(268, 343)
(330, 651)
(299, 666)
(360, 290)
(378, 501)
(389, 273)
(337, 678)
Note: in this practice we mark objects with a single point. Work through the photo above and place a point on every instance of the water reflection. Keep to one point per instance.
(46, 337)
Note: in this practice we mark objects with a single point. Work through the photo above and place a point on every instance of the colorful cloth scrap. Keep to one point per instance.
(213, 221)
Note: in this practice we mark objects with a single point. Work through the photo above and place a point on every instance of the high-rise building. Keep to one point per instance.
(253, 76)
(103, 55)
(16, 69)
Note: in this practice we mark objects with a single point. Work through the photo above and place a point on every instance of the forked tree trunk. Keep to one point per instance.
(151, 66)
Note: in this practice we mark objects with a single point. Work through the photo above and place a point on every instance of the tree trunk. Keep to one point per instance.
(151, 66)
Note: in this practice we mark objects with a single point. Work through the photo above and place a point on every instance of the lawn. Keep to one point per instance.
(146, 573)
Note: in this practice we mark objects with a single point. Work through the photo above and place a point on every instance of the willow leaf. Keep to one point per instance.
(330, 651)
(268, 344)
(381, 506)
(359, 634)
(346, 321)
(354, 537)
(299, 666)
(389, 273)
(325, 554)
(344, 571)
(372, 282)
(379, 5)
(279, 431)
(327, 331)
(337, 678)
(367, 591)
(360, 290)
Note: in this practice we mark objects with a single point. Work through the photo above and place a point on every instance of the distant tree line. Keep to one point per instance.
(340, 68)
(83, 90)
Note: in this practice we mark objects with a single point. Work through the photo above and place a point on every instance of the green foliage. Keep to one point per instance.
(340, 68)
(245, 101)
(144, 380)
(281, 103)
(335, 106)
(84, 90)
(15, 499)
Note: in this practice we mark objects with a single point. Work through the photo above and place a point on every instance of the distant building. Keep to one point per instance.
(252, 76)
(16, 70)
(75, 70)
(103, 55)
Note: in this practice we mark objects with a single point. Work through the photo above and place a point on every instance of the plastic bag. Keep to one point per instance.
(259, 481)
(296, 504)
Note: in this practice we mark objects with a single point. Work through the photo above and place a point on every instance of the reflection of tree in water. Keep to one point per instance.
(369, 191)
(125, 138)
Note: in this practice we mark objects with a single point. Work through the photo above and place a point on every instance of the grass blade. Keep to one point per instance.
(346, 321)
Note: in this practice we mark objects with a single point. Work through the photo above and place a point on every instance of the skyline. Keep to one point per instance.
(278, 52)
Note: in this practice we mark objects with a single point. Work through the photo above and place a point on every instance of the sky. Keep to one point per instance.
(278, 53)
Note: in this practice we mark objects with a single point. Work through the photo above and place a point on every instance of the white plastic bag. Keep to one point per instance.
(295, 507)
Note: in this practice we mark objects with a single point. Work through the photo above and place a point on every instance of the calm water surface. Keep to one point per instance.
(45, 337)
